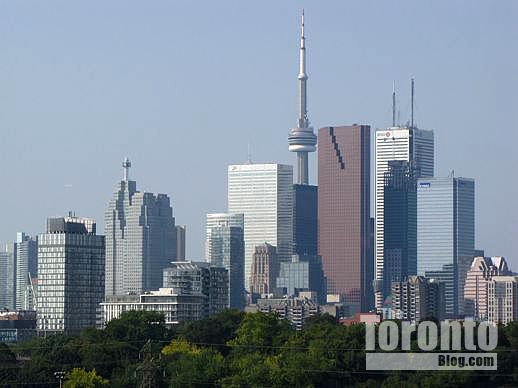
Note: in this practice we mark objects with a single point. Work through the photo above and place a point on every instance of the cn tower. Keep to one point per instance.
(302, 139)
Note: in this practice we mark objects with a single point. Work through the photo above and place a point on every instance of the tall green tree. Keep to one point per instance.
(80, 378)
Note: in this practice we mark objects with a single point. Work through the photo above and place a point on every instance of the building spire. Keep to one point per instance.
(126, 164)
(394, 104)
(412, 103)
(301, 139)
(303, 121)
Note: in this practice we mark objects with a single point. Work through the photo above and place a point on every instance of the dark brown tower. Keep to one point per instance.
(344, 212)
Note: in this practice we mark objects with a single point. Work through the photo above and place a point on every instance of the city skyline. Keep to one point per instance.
(459, 128)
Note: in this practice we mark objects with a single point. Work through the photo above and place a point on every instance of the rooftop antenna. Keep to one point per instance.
(394, 103)
(412, 104)
(126, 164)
(249, 155)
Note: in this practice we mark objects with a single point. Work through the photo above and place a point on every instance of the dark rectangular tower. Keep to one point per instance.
(305, 234)
(344, 212)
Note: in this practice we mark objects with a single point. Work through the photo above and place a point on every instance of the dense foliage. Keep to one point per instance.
(233, 349)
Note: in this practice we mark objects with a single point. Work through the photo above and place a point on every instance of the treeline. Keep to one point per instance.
(233, 349)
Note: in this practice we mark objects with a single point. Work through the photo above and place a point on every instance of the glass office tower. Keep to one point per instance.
(446, 235)
(225, 242)
(397, 143)
(400, 224)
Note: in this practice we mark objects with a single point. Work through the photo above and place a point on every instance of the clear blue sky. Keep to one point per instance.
(182, 88)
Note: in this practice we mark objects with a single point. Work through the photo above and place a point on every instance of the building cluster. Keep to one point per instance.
(282, 246)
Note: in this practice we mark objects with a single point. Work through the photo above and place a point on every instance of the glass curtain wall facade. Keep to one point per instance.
(446, 235)
(7, 278)
(26, 250)
(226, 249)
(305, 220)
(397, 143)
(264, 194)
(400, 224)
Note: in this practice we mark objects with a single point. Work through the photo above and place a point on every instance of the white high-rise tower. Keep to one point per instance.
(397, 143)
(301, 139)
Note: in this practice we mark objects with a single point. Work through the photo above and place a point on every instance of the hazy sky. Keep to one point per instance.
(181, 88)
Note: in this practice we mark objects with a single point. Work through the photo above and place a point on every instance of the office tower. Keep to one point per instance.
(400, 224)
(446, 235)
(70, 275)
(215, 219)
(301, 139)
(482, 271)
(305, 219)
(8, 277)
(140, 238)
(226, 247)
(418, 298)
(265, 268)
(180, 242)
(264, 194)
(303, 273)
(502, 299)
(201, 279)
(344, 212)
(397, 143)
(26, 250)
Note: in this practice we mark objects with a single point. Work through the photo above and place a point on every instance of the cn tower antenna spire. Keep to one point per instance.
(302, 139)
(394, 103)
(303, 121)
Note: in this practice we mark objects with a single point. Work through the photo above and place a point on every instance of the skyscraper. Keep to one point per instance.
(70, 275)
(226, 247)
(215, 219)
(140, 238)
(180, 242)
(400, 224)
(264, 194)
(344, 212)
(446, 235)
(26, 250)
(303, 273)
(397, 143)
(7, 278)
(301, 139)
(305, 219)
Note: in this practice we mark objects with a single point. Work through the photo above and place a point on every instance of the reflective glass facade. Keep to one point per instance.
(26, 250)
(400, 224)
(446, 234)
(225, 241)
(405, 144)
(305, 220)
(303, 273)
